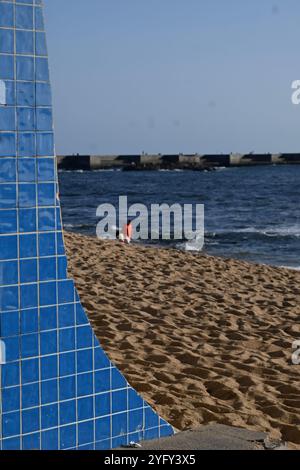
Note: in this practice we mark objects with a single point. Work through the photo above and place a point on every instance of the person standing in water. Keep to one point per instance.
(126, 235)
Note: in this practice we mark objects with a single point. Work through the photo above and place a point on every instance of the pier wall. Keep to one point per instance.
(173, 161)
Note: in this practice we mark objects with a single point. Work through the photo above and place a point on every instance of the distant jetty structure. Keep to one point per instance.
(196, 162)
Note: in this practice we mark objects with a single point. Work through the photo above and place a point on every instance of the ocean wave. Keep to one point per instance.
(293, 268)
(280, 231)
(78, 226)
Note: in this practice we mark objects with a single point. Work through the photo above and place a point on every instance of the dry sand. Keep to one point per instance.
(203, 339)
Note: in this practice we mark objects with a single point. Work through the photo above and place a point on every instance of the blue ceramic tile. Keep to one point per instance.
(7, 41)
(50, 439)
(67, 364)
(26, 144)
(48, 318)
(151, 418)
(102, 429)
(25, 68)
(135, 400)
(135, 420)
(45, 144)
(103, 404)
(84, 384)
(6, 15)
(46, 220)
(10, 374)
(28, 296)
(13, 443)
(9, 247)
(26, 168)
(7, 170)
(12, 349)
(67, 412)
(84, 337)
(85, 408)
(29, 345)
(28, 246)
(39, 19)
(65, 291)
(41, 46)
(26, 122)
(7, 144)
(46, 169)
(10, 421)
(67, 339)
(119, 424)
(119, 441)
(9, 322)
(47, 244)
(81, 318)
(48, 342)
(24, 42)
(8, 222)
(42, 72)
(30, 395)
(27, 221)
(102, 381)
(28, 270)
(29, 321)
(27, 195)
(49, 391)
(118, 380)
(47, 269)
(30, 371)
(7, 70)
(7, 119)
(25, 93)
(67, 437)
(43, 95)
(8, 298)
(101, 359)
(46, 194)
(66, 315)
(103, 445)
(8, 272)
(47, 293)
(24, 17)
(49, 415)
(84, 360)
(49, 367)
(10, 399)
(119, 401)
(31, 442)
(67, 388)
(85, 432)
(10, 93)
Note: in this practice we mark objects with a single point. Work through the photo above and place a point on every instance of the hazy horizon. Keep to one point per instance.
(203, 76)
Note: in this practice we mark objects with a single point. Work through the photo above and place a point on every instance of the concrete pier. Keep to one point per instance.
(174, 161)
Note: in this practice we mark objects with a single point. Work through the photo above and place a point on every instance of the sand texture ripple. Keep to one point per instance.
(203, 339)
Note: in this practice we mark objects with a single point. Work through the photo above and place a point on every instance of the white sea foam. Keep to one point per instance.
(293, 268)
(279, 231)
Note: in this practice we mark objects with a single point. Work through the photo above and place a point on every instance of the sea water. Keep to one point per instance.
(251, 213)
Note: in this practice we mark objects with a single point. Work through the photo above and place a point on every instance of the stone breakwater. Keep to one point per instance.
(172, 162)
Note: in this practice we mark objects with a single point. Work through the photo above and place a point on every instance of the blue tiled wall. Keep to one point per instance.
(58, 389)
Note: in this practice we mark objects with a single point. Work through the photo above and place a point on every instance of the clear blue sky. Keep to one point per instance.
(174, 75)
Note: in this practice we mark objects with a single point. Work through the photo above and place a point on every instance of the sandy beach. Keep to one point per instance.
(203, 339)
